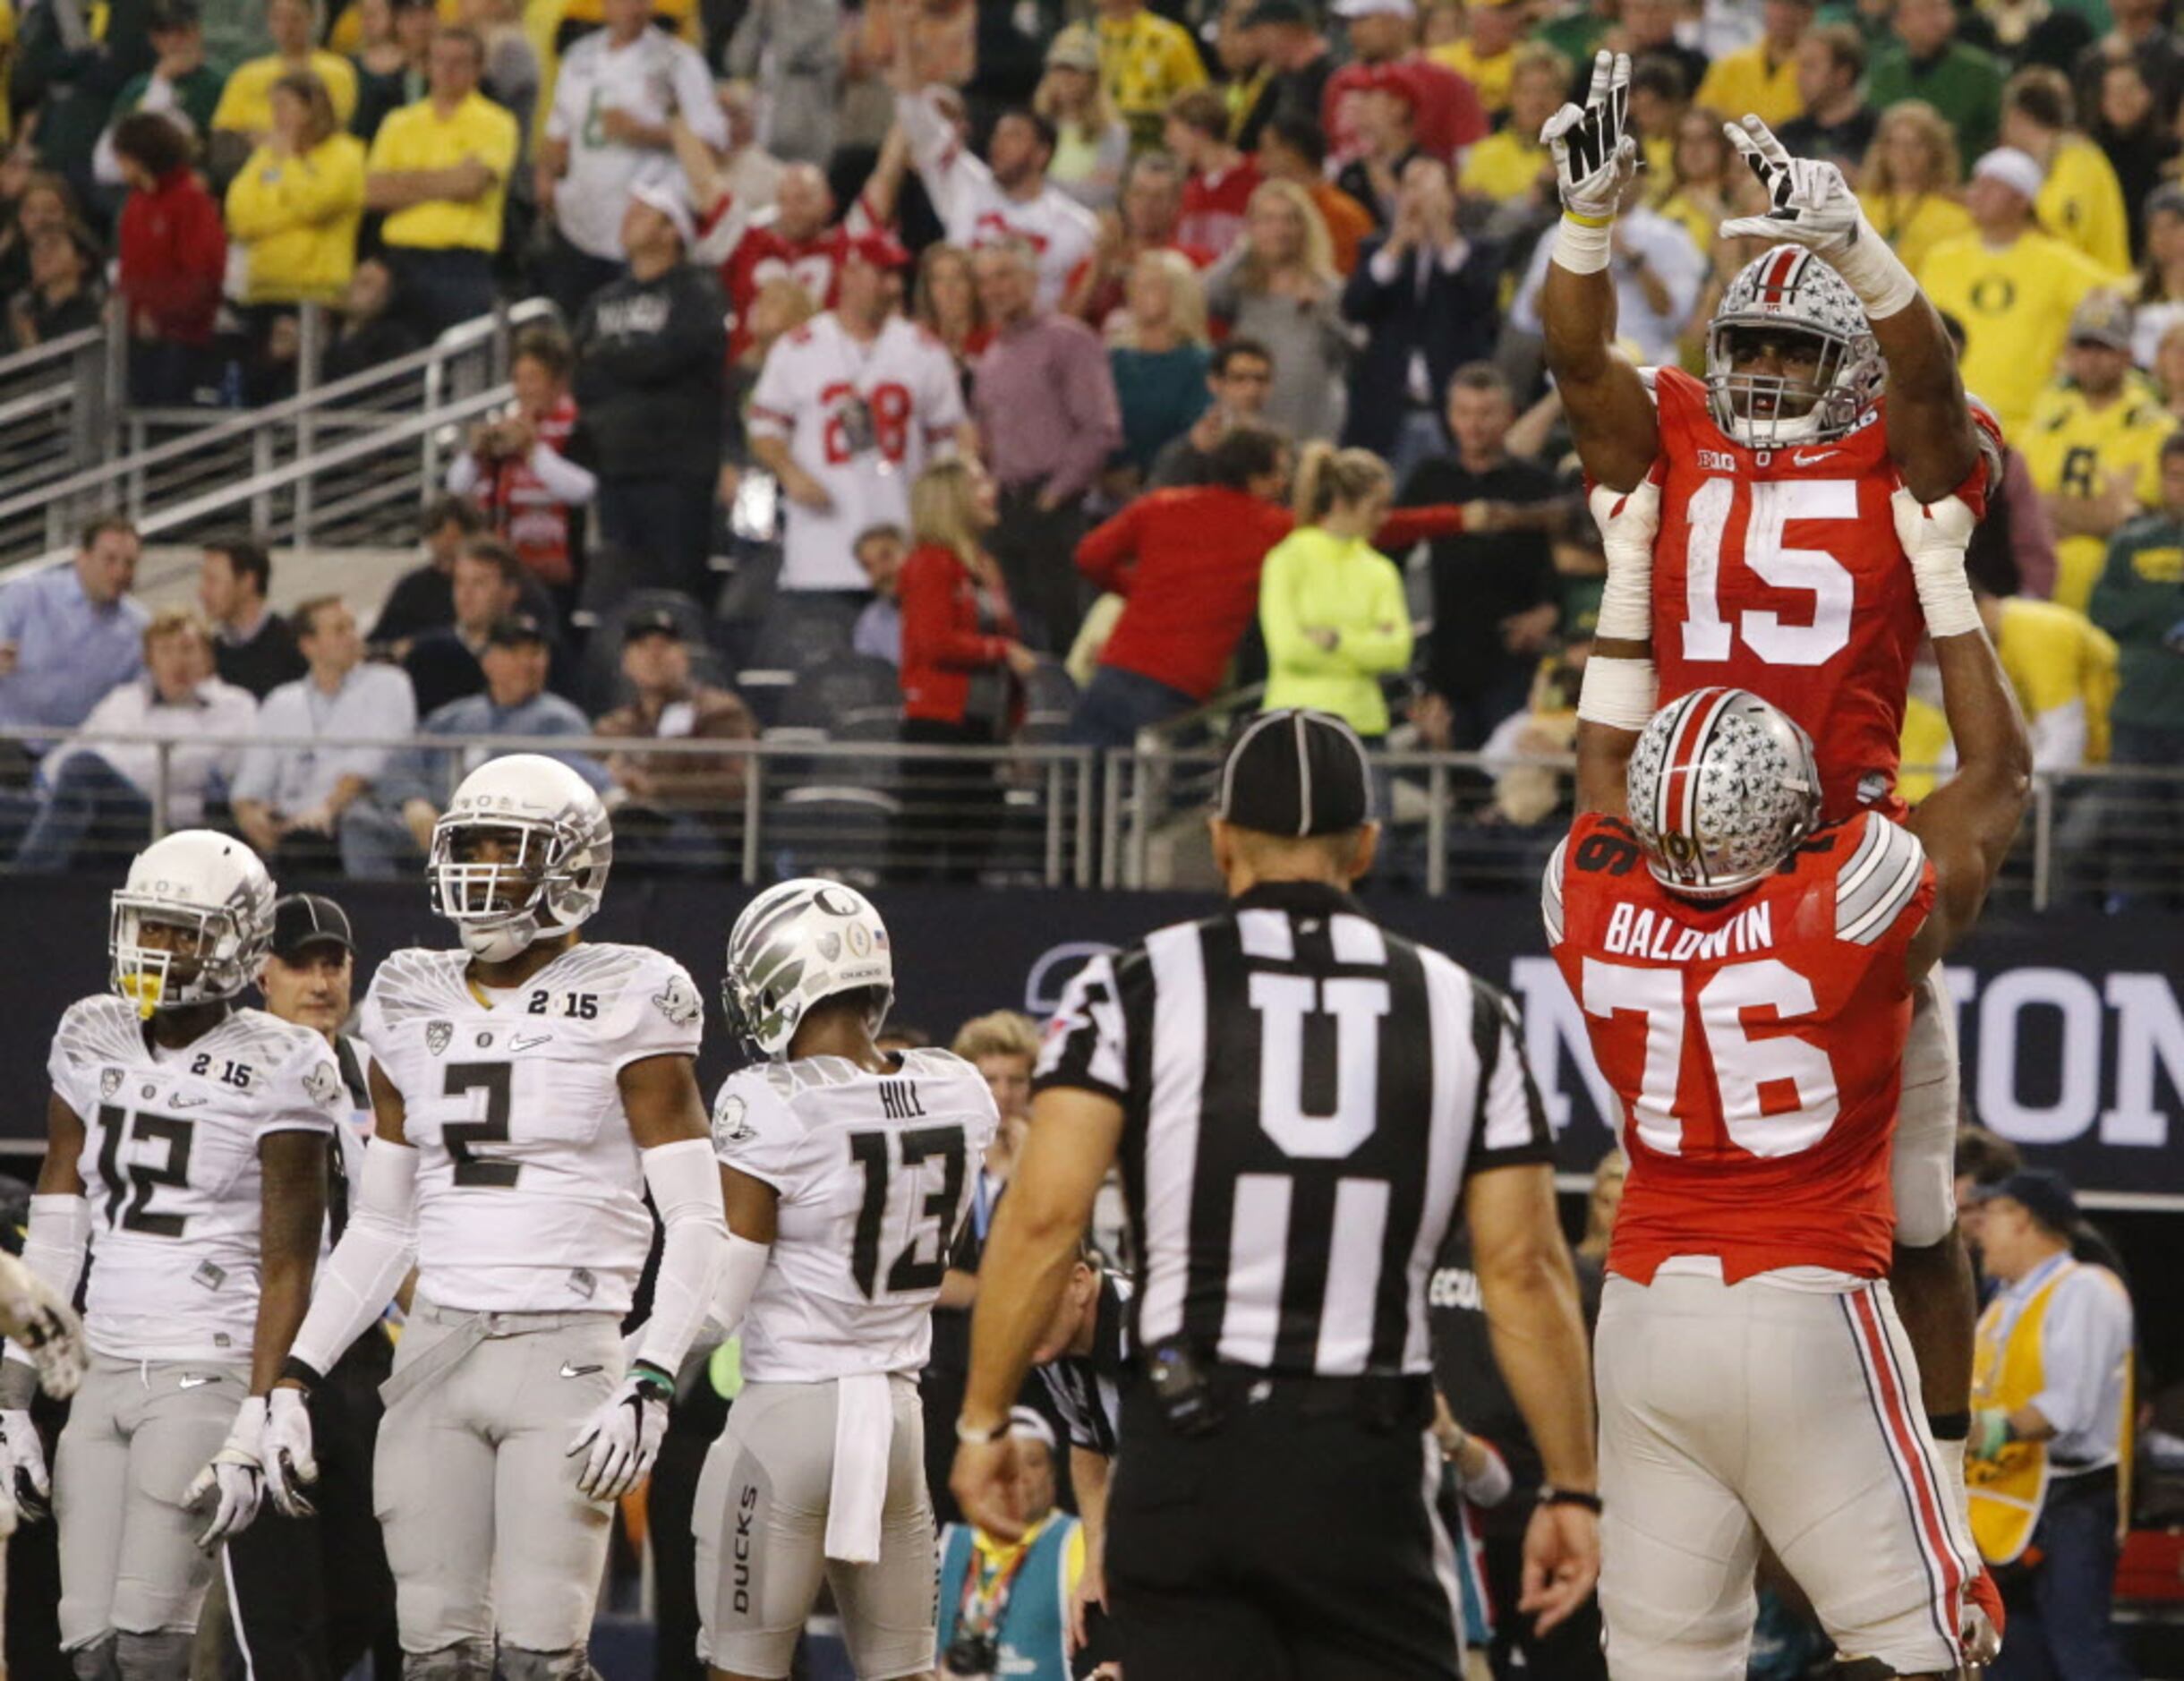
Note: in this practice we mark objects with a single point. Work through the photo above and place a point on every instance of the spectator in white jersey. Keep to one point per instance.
(849, 408)
(844, 1169)
(619, 90)
(1003, 197)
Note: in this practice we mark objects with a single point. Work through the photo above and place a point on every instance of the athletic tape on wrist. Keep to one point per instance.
(1626, 603)
(1876, 274)
(1945, 594)
(1583, 246)
(1621, 694)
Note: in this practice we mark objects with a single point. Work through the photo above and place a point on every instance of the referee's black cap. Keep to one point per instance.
(302, 920)
(1295, 772)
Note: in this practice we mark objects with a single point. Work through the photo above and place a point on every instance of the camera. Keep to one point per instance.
(971, 1655)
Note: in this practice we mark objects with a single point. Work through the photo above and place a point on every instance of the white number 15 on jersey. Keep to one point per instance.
(1774, 503)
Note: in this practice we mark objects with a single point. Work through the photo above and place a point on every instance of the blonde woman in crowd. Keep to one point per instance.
(1330, 605)
(1278, 285)
(1156, 347)
(1908, 188)
(945, 303)
(1091, 143)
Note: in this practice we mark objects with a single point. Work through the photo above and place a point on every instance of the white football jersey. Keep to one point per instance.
(813, 378)
(529, 1193)
(874, 1172)
(170, 1168)
(653, 78)
(975, 210)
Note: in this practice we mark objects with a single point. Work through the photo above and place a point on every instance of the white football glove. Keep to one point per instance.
(28, 1486)
(286, 1451)
(624, 1435)
(1812, 205)
(43, 1326)
(1595, 154)
(236, 1473)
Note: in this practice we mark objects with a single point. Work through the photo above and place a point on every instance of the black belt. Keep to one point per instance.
(1383, 1400)
(2066, 1483)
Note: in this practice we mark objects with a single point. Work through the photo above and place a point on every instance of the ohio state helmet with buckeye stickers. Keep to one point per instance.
(1790, 287)
(1721, 786)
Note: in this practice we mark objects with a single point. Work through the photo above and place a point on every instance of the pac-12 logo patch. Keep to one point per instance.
(109, 1082)
(438, 1036)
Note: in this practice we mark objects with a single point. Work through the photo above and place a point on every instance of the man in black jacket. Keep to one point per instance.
(1426, 296)
(651, 354)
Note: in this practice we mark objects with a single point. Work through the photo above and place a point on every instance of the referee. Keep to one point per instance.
(1299, 1100)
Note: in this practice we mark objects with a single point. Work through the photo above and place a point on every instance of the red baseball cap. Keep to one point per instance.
(882, 250)
(1397, 80)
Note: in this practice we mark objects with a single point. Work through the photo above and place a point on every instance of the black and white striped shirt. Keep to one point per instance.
(1304, 1094)
(1087, 1388)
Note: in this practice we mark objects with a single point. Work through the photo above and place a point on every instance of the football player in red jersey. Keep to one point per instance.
(1746, 971)
(1778, 566)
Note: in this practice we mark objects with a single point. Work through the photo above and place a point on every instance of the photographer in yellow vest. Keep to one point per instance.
(2050, 1440)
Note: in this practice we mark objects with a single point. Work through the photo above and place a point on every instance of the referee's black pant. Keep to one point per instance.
(1296, 1540)
(308, 1597)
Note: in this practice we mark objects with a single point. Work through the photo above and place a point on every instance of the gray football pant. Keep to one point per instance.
(486, 1533)
(139, 1432)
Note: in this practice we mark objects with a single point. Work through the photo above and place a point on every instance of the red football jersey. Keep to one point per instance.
(1754, 1045)
(1778, 571)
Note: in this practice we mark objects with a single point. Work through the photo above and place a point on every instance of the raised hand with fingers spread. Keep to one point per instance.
(1811, 203)
(1595, 153)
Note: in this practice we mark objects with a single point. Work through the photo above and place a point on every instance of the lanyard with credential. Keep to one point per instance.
(986, 1594)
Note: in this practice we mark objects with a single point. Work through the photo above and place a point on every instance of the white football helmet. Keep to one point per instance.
(213, 899)
(558, 874)
(794, 944)
(1789, 287)
(1722, 786)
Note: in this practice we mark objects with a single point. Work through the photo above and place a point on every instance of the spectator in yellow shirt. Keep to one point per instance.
(294, 207)
(1145, 61)
(2080, 200)
(244, 115)
(2095, 445)
(1761, 79)
(2013, 287)
(1908, 187)
(1511, 164)
(440, 169)
(1487, 52)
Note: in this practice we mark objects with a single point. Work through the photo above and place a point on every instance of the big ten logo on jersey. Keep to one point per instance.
(1811, 636)
(236, 1074)
(574, 1006)
(879, 422)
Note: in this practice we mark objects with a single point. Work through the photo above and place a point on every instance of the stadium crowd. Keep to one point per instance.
(1082, 362)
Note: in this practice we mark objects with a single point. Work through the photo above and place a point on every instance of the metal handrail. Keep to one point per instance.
(62, 349)
(245, 422)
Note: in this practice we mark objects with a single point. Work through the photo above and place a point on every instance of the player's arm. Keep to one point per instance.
(1038, 1230)
(45, 1341)
(1931, 434)
(1966, 824)
(1621, 686)
(291, 1213)
(1610, 411)
(1529, 1288)
(667, 1120)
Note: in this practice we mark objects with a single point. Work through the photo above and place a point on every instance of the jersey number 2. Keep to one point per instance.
(460, 1136)
(1707, 636)
(1802, 1079)
(930, 1224)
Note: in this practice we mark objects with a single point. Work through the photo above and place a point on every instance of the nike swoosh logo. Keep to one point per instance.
(1803, 460)
(526, 1042)
(186, 1103)
(568, 1370)
(193, 1383)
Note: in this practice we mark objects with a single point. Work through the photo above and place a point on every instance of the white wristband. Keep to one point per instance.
(1621, 694)
(1876, 274)
(1582, 248)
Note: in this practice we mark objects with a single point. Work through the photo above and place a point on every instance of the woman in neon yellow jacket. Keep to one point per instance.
(1330, 604)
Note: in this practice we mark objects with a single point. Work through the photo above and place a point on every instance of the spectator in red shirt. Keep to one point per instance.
(1386, 111)
(1221, 178)
(963, 667)
(1450, 115)
(517, 468)
(174, 256)
(1186, 561)
(797, 240)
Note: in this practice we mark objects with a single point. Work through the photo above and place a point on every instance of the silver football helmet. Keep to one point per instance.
(794, 944)
(558, 872)
(1722, 786)
(211, 900)
(1788, 287)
